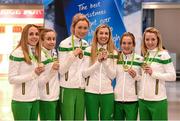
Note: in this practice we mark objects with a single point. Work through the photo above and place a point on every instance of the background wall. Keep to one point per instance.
(168, 22)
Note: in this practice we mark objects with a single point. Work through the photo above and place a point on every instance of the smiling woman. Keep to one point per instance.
(49, 81)
(127, 77)
(99, 71)
(70, 59)
(48, 38)
(157, 68)
(33, 37)
(23, 74)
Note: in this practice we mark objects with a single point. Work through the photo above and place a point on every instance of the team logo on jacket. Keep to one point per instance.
(159, 55)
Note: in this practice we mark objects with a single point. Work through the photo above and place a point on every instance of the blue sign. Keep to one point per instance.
(98, 12)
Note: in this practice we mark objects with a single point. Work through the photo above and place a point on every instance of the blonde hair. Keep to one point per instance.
(128, 34)
(24, 44)
(78, 17)
(44, 31)
(110, 43)
(159, 38)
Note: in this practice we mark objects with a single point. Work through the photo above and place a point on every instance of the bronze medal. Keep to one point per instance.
(101, 49)
(144, 65)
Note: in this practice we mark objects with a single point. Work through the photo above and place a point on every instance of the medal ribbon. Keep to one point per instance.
(147, 60)
(47, 55)
(125, 65)
(32, 56)
(73, 46)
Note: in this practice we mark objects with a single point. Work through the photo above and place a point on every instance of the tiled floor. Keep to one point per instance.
(5, 101)
(173, 92)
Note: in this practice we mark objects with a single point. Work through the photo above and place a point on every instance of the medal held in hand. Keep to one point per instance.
(125, 63)
(144, 65)
(101, 49)
(81, 54)
(148, 60)
(73, 47)
(126, 68)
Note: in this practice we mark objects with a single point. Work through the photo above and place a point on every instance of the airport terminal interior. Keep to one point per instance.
(50, 13)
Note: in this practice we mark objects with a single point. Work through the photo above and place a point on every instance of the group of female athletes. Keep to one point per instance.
(76, 81)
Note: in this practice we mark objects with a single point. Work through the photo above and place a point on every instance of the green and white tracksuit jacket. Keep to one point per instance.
(126, 88)
(152, 87)
(48, 80)
(71, 66)
(23, 77)
(99, 76)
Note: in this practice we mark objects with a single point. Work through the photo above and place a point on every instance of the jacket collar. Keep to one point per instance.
(102, 46)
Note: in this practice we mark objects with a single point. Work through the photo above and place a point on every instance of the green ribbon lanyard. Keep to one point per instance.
(147, 60)
(73, 46)
(47, 55)
(101, 49)
(125, 64)
(33, 58)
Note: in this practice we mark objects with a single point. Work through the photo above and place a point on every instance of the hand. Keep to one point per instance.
(55, 65)
(77, 51)
(148, 70)
(40, 65)
(105, 54)
(39, 70)
(132, 73)
(100, 57)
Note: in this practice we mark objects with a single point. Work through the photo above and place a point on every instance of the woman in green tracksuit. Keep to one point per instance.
(24, 72)
(127, 74)
(99, 71)
(70, 58)
(49, 81)
(157, 68)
